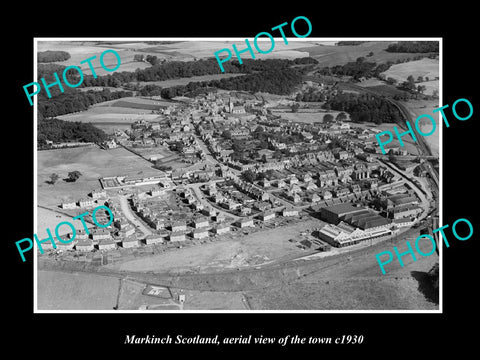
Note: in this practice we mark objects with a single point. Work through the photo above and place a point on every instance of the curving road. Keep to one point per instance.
(131, 217)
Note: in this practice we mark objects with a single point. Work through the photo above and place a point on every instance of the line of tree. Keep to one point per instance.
(57, 130)
(150, 90)
(278, 81)
(414, 47)
(364, 107)
(182, 69)
(52, 56)
(349, 43)
(73, 100)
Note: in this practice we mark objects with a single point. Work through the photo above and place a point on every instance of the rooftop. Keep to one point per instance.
(343, 208)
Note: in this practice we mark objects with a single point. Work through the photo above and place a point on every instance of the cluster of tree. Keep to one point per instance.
(277, 81)
(150, 90)
(65, 131)
(347, 43)
(364, 107)
(305, 61)
(356, 69)
(249, 176)
(73, 100)
(72, 177)
(46, 71)
(262, 134)
(409, 85)
(52, 56)
(160, 166)
(311, 95)
(414, 47)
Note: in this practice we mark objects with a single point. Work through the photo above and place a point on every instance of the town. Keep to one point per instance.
(254, 170)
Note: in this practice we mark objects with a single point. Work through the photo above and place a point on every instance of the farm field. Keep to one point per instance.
(431, 86)
(88, 291)
(118, 114)
(331, 55)
(75, 291)
(423, 67)
(213, 300)
(187, 50)
(81, 50)
(135, 103)
(169, 50)
(92, 162)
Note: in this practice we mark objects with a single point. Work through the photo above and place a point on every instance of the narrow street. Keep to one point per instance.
(206, 204)
(131, 217)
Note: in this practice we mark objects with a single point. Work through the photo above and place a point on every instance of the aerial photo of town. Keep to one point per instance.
(259, 188)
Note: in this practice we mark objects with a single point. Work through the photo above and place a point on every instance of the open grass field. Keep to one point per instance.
(75, 291)
(119, 114)
(84, 291)
(92, 162)
(213, 300)
(343, 294)
(423, 67)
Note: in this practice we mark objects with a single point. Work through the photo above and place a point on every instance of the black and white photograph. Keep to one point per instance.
(275, 183)
(193, 179)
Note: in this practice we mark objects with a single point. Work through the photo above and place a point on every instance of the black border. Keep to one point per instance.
(385, 334)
